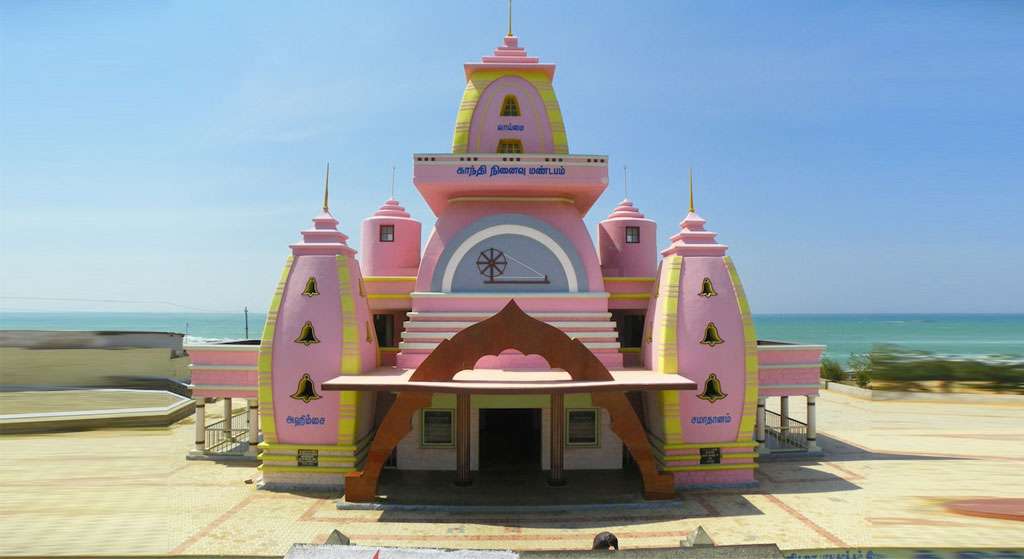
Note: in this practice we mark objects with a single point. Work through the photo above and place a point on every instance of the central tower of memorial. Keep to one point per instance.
(510, 202)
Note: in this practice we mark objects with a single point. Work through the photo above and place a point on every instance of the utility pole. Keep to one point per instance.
(247, 322)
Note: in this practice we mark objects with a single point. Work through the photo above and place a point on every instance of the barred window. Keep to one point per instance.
(438, 428)
(581, 428)
(387, 233)
(632, 234)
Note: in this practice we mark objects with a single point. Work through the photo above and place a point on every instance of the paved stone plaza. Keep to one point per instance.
(890, 471)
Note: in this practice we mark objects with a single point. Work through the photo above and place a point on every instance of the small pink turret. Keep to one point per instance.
(627, 243)
(391, 242)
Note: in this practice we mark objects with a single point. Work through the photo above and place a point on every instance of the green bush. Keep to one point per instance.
(860, 364)
(832, 370)
(905, 369)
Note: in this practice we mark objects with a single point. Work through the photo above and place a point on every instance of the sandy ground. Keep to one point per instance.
(889, 470)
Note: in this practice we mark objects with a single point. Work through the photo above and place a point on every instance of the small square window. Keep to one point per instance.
(387, 233)
(581, 428)
(438, 428)
(632, 234)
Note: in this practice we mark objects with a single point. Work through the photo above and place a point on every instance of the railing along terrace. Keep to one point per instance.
(228, 436)
(793, 436)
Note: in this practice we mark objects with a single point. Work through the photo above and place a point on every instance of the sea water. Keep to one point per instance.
(967, 335)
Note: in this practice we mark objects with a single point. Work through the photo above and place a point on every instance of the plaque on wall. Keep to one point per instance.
(710, 456)
(310, 457)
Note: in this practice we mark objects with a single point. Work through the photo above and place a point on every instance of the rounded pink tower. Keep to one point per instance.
(318, 326)
(391, 242)
(627, 243)
(699, 326)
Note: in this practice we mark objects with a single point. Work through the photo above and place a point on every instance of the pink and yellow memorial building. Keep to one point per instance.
(509, 341)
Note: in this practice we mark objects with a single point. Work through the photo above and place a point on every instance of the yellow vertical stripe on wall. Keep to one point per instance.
(749, 354)
(666, 336)
(479, 81)
(265, 358)
(350, 356)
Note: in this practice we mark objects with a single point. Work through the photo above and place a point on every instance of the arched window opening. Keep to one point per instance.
(510, 106)
(510, 146)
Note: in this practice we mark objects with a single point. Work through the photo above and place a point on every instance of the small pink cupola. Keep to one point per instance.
(391, 242)
(627, 243)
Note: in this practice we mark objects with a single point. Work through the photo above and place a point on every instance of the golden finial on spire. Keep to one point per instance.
(509, 18)
(327, 181)
(691, 191)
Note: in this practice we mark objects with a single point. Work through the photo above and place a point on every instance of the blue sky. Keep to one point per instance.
(856, 157)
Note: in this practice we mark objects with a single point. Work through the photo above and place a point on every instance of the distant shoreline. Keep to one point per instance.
(969, 335)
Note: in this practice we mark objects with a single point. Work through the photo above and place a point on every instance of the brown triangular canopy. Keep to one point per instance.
(511, 328)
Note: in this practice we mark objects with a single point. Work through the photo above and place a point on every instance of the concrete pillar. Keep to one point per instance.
(227, 417)
(759, 432)
(463, 476)
(253, 420)
(784, 414)
(812, 424)
(557, 471)
(200, 424)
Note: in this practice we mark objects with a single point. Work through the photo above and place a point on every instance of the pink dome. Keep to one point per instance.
(626, 209)
(391, 208)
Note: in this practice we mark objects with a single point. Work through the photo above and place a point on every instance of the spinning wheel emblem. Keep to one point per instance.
(491, 263)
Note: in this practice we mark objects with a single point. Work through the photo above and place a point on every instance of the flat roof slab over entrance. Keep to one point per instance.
(450, 368)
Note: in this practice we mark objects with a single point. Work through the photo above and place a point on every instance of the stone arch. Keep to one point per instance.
(511, 328)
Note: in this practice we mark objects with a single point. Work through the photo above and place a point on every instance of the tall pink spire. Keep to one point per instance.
(324, 237)
(692, 239)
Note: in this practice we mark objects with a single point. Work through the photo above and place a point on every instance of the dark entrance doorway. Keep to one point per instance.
(510, 439)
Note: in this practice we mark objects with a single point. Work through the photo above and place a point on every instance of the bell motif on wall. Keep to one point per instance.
(310, 289)
(712, 389)
(306, 390)
(706, 289)
(306, 335)
(711, 337)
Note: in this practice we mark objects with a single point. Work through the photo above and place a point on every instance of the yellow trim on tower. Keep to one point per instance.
(479, 81)
(264, 360)
(688, 457)
(304, 469)
(388, 279)
(629, 296)
(615, 279)
(351, 360)
(665, 339)
(704, 467)
(749, 353)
